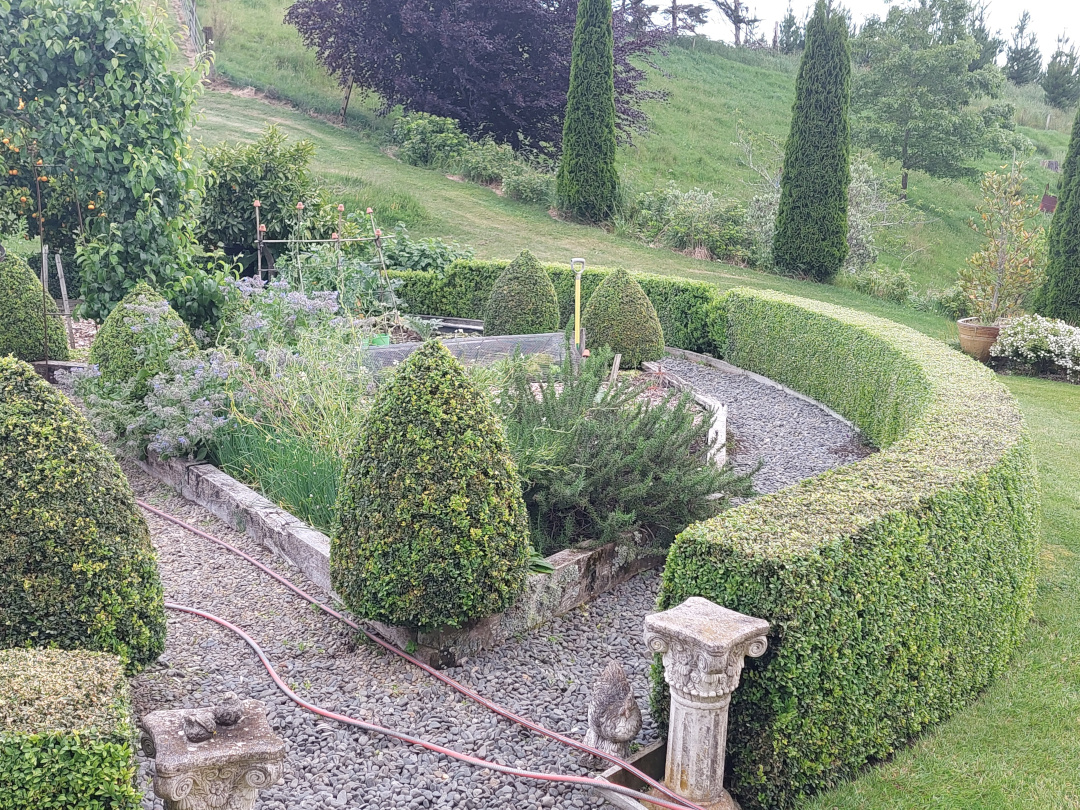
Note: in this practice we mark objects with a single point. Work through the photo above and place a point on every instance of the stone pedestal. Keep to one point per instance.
(703, 647)
(224, 772)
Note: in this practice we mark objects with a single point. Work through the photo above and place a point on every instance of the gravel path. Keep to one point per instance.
(792, 438)
(545, 675)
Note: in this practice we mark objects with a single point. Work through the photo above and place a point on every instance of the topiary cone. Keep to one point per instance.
(22, 329)
(621, 316)
(522, 300)
(77, 569)
(136, 339)
(432, 529)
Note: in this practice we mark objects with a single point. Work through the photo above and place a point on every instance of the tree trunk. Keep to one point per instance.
(674, 19)
(904, 167)
(345, 101)
(737, 22)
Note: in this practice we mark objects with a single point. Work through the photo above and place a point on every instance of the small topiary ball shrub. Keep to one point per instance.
(20, 315)
(621, 316)
(66, 732)
(432, 529)
(136, 340)
(523, 301)
(76, 566)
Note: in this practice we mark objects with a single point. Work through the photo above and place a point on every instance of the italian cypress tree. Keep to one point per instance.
(811, 224)
(1060, 295)
(587, 182)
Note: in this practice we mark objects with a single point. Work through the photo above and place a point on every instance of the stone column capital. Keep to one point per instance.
(703, 646)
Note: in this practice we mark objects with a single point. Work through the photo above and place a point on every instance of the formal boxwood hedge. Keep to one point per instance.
(77, 570)
(66, 732)
(522, 300)
(897, 587)
(21, 327)
(432, 529)
(690, 312)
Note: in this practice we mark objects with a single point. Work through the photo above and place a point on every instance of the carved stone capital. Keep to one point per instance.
(224, 772)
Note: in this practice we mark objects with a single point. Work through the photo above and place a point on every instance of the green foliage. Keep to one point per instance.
(881, 282)
(694, 222)
(1060, 296)
(85, 86)
(999, 277)
(522, 300)
(587, 183)
(530, 185)
(137, 339)
(487, 161)
(621, 316)
(425, 255)
(22, 325)
(238, 174)
(428, 140)
(1061, 79)
(77, 570)
(66, 732)
(1023, 64)
(791, 37)
(690, 312)
(897, 587)
(913, 90)
(812, 218)
(598, 462)
(432, 529)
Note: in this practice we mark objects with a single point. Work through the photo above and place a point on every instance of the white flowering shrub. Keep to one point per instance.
(1043, 344)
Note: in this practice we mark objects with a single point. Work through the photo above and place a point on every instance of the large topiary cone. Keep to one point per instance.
(522, 300)
(136, 340)
(21, 321)
(77, 570)
(621, 316)
(432, 529)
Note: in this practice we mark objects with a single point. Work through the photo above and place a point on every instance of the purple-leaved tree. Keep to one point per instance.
(499, 67)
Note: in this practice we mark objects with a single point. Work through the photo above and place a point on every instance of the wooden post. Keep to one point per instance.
(64, 300)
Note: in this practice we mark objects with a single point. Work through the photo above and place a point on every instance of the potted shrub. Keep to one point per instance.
(998, 277)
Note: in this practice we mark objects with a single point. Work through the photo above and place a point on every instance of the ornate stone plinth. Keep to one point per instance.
(224, 772)
(703, 646)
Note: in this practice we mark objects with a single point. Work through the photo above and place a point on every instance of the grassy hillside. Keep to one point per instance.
(716, 93)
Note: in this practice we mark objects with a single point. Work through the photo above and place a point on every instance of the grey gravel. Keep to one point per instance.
(792, 439)
(545, 674)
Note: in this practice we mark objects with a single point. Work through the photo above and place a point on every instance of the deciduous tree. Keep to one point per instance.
(914, 87)
(499, 67)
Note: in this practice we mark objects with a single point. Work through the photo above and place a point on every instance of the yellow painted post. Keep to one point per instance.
(577, 266)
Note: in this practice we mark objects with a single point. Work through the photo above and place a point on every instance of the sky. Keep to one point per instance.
(1049, 18)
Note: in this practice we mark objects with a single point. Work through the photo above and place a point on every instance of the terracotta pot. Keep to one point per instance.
(977, 338)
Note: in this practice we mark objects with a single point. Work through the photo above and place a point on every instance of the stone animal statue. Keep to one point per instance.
(614, 716)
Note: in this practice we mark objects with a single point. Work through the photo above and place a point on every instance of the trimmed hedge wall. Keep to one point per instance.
(897, 587)
(690, 312)
(66, 732)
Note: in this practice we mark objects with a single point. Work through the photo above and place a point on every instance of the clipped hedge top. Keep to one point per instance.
(55, 691)
(939, 417)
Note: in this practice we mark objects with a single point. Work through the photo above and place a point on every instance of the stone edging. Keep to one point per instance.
(578, 577)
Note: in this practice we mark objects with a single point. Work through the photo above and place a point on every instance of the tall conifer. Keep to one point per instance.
(811, 223)
(1060, 296)
(587, 182)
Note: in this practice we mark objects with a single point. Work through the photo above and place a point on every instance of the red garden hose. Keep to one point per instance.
(682, 803)
(585, 781)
